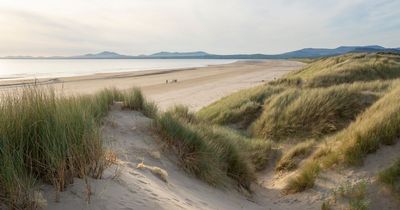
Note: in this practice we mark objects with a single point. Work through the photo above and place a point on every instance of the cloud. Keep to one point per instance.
(64, 27)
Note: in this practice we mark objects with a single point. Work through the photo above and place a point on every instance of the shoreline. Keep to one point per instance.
(19, 80)
(10, 78)
(206, 84)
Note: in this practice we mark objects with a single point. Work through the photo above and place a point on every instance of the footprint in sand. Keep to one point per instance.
(144, 182)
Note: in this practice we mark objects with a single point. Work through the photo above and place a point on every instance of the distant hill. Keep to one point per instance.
(303, 53)
(179, 54)
(321, 52)
(104, 55)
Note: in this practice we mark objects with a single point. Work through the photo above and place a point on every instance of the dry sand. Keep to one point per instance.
(195, 87)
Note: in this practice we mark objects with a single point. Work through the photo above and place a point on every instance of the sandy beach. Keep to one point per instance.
(194, 87)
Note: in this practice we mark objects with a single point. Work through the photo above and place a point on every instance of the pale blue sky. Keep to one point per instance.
(69, 27)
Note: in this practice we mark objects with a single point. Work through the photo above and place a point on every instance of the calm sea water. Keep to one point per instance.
(21, 68)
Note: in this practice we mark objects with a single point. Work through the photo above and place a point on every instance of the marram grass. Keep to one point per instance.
(51, 138)
(349, 104)
(391, 177)
(212, 153)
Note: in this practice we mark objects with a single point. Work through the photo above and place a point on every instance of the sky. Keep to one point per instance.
(133, 27)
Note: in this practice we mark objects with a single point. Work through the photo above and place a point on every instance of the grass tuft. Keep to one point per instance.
(241, 107)
(291, 158)
(212, 153)
(305, 178)
(133, 99)
(380, 124)
(351, 196)
(391, 177)
(310, 113)
(349, 69)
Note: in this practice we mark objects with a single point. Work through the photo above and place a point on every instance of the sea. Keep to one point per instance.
(11, 69)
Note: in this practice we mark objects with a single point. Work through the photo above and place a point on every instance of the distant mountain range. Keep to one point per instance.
(303, 53)
(179, 54)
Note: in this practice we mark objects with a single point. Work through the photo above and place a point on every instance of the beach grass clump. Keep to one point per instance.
(183, 113)
(133, 99)
(212, 153)
(290, 160)
(258, 151)
(232, 160)
(310, 113)
(51, 138)
(379, 124)
(391, 177)
(304, 179)
(350, 196)
(242, 107)
(350, 68)
(48, 138)
(194, 155)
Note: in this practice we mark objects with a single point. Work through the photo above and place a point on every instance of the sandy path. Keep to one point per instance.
(196, 87)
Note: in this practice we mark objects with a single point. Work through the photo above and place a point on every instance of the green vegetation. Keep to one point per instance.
(348, 104)
(135, 100)
(380, 124)
(377, 125)
(51, 138)
(212, 153)
(349, 68)
(239, 108)
(294, 155)
(391, 177)
(348, 196)
(305, 179)
(310, 113)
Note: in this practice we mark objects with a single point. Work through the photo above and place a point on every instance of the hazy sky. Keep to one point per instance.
(69, 27)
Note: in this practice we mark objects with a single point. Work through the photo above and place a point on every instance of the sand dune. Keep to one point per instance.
(126, 187)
